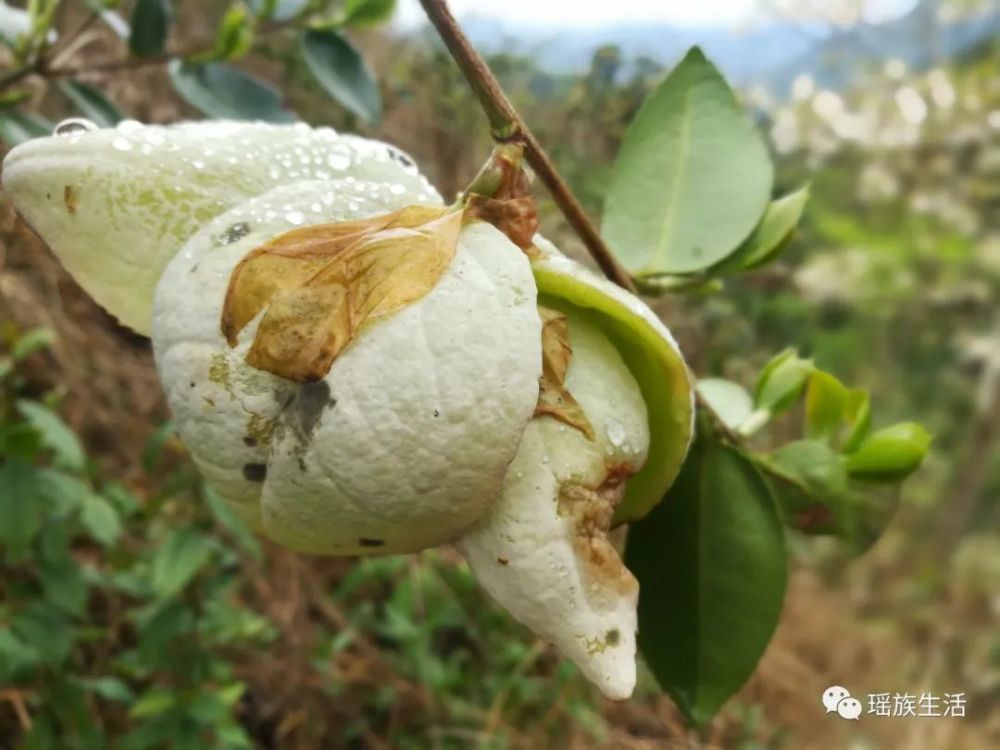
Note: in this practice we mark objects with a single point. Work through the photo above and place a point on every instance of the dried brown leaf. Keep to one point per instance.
(321, 283)
(554, 399)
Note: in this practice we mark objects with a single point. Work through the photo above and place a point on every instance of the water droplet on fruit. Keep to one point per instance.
(616, 433)
(295, 217)
(121, 144)
(75, 126)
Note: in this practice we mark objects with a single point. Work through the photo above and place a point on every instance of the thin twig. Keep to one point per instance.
(507, 125)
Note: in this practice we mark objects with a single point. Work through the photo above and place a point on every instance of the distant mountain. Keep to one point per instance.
(769, 55)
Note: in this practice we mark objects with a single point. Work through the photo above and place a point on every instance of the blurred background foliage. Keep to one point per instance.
(136, 613)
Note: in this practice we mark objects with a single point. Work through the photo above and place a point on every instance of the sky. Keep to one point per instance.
(590, 13)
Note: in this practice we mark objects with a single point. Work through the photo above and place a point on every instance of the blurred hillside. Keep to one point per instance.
(892, 284)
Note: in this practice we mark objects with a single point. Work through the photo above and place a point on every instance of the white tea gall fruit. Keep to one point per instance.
(541, 550)
(404, 442)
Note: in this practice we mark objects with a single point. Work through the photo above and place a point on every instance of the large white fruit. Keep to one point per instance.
(405, 441)
(450, 416)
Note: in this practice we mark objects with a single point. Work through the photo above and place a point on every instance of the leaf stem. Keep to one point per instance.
(507, 125)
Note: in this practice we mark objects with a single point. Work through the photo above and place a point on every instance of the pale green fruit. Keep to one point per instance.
(115, 204)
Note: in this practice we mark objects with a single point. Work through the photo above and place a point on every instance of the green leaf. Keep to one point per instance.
(890, 455)
(368, 12)
(812, 487)
(64, 492)
(109, 688)
(829, 405)
(15, 655)
(154, 445)
(817, 496)
(54, 433)
(342, 72)
(100, 518)
(692, 178)
(16, 126)
(22, 510)
(730, 401)
(710, 560)
(826, 401)
(231, 523)
(91, 103)
(64, 585)
(178, 559)
(153, 702)
(781, 382)
(220, 90)
(31, 342)
(770, 235)
(235, 35)
(279, 10)
(150, 21)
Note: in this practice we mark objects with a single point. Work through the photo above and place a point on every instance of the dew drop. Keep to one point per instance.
(295, 217)
(338, 160)
(74, 126)
(121, 144)
(397, 189)
(615, 431)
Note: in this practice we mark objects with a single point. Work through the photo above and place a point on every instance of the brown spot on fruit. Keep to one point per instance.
(591, 510)
(503, 561)
(70, 198)
(255, 472)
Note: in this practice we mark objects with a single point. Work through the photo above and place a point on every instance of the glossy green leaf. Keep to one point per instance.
(22, 511)
(710, 560)
(17, 127)
(771, 234)
(54, 433)
(692, 178)
(730, 401)
(342, 72)
(150, 22)
(890, 455)
(91, 103)
(368, 12)
(177, 561)
(222, 91)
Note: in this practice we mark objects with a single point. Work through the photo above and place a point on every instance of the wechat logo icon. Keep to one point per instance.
(838, 700)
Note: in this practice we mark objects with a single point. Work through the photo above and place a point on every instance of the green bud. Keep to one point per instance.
(781, 382)
(890, 455)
